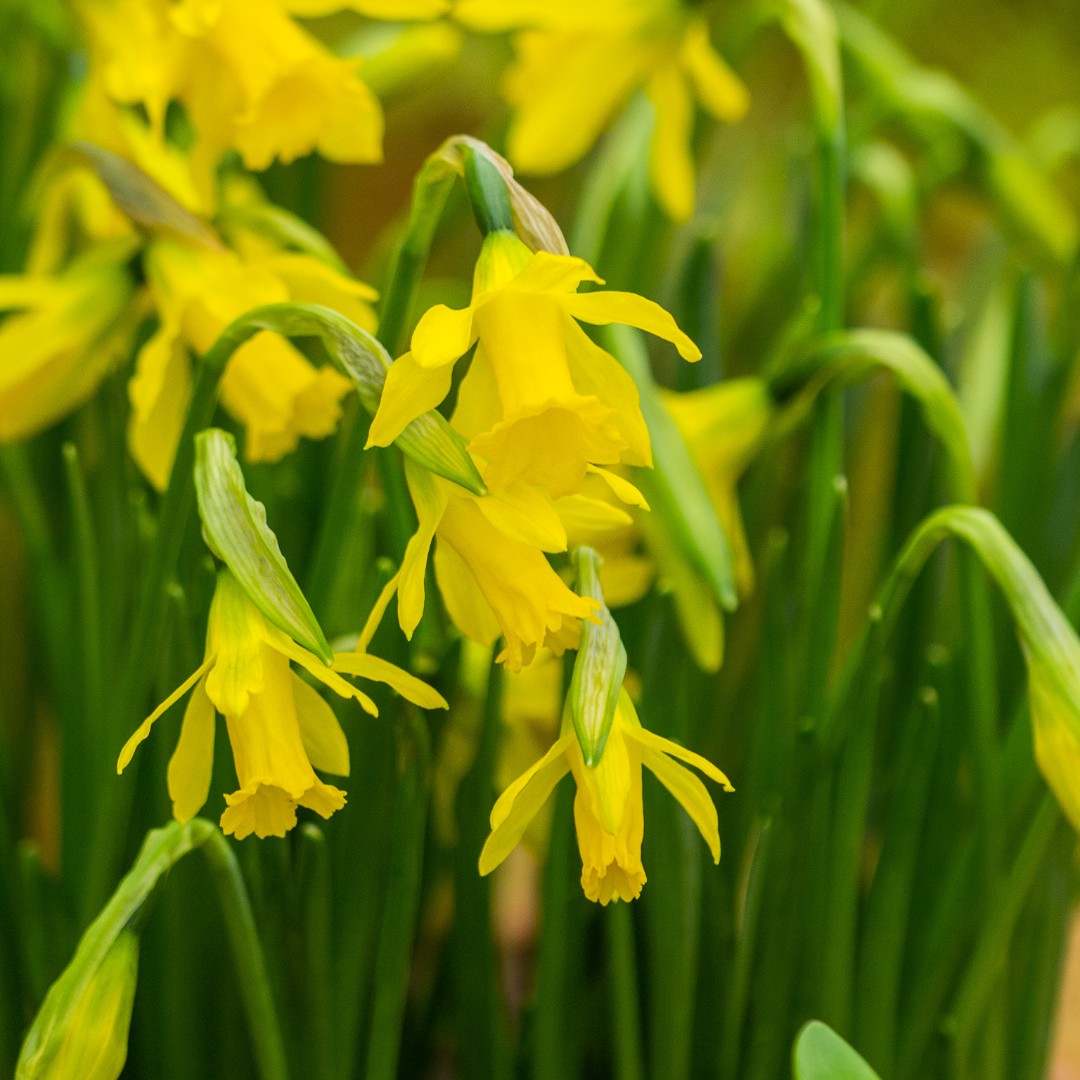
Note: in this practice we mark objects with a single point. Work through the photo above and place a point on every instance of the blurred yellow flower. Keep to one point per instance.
(608, 810)
(276, 392)
(280, 729)
(248, 76)
(541, 402)
(64, 335)
(723, 426)
(490, 568)
(577, 66)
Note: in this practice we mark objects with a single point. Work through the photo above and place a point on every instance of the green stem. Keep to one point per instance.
(252, 976)
(315, 905)
(623, 969)
(398, 930)
(979, 980)
(555, 1052)
(745, 949)
(432, 187)
(89, 589)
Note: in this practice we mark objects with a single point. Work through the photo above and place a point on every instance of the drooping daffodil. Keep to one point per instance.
(608, 810)
(280, 729)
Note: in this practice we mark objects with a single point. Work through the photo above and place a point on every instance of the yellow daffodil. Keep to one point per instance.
(279, 728)
(490, 568)
(64, 335)
(249, 77)
(608, 810)
(579, 64)
(268, 385)
(541, 402)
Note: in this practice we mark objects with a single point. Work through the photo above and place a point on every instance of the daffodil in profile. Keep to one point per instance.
(578, 65)
(541, 403)
(608, 810)
(490, 567)
(280, 729)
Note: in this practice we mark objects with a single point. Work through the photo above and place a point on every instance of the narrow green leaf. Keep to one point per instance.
(849, 356)
(811, 26)
(820, 1054)
(235, 528)
(599, 667)
(429, 440)
(1050, 644)
(673, 486)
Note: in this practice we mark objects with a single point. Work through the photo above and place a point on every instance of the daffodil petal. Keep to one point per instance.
(409, 391)
(442, 336)
(377, 612)
(429, 499)
(718, 88)
(671, 168)
(143, 729)
(690, 792)
(620, 487)
(324, 741)
(521, 801)
(192, 762)
(465, 603)
(597, 373)
(602, 308)
(548, 273)
(659, 744)
(314, 666)
(366, 666)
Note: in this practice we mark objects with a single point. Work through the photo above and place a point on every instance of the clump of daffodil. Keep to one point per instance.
(541, 403)
(63, 335)
(608, 812)
(579, 64)
(197, 279)
(250, 78)
(490, 568)
(280, 729)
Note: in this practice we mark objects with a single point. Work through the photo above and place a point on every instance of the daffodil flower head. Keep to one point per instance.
(490, 568)
(280, 729)
(249, 77)
(615, 48)
(608, 810)
(541, 402)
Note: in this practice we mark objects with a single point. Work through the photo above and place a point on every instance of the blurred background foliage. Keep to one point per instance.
(929, 252)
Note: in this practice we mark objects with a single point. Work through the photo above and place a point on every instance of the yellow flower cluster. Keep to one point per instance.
(543, 408)
(548, 415)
